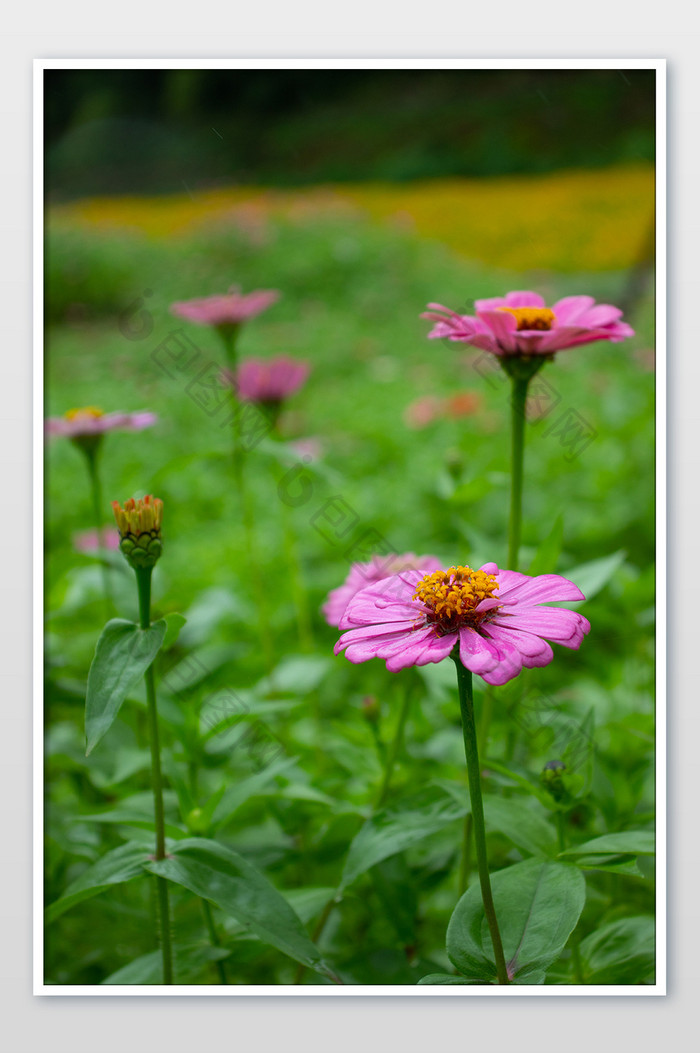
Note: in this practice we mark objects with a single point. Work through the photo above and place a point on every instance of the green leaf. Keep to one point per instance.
(537, 906)
(188, 962)
(121, 864)
(238, 888)
(174, 622)
(396, 828)
(123, 654)
(621, 952)
(251, 786)
(296, 675)
(548, 553)
(623, 843)
(446, 980)
(594, 576)
(527, 830)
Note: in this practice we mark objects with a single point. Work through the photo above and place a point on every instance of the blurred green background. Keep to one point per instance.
(361, 196)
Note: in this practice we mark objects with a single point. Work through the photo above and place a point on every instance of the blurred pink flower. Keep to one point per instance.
(520, 324)
(363, 574)
(231, 308)
(268, 380)
(88, 541)
(495, 618)
(309, 448)
(90, 421)
(428, 408)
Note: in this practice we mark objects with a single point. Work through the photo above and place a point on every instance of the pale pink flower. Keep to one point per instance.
(88, 541)
(493, 619)
(269, 379)
(91, 421)
(520, 324)
(363, 574)
(428, 408)
(231, 308)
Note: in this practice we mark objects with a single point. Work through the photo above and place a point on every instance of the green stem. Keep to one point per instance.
(394, 749)
(574, 939)
(91, 455)
(143, 581)
(517, 447)
(471, 750)
(306, 636)
(483, 738)
(214, 938)
(389, 764)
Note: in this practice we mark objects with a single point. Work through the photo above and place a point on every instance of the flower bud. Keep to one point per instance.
(552, 779)
(370, 709)
(139, 523)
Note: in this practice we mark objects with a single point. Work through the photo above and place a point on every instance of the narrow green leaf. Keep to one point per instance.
(447, 980)
(188, 962)
(119, 865)
(537, 906)
(238, 888)
(548, 553)
(592, 577)
(396, 828)
(123, 654)
(623, 843)
(621, 952)
(527, 829)
(174, 623)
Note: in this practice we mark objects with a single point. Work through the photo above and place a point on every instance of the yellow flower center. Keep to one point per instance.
(452, 596)
(142, 516)
(531, 317)
(85, 411)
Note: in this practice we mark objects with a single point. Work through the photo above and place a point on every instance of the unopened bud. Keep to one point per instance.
(370, 709)
(552, 779)
(139, 523)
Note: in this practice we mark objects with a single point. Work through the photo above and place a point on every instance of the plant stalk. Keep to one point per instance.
(143, 580)
(471, 750)
(91, 455)
(517, 448)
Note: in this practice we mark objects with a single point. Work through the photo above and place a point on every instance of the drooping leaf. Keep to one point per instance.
(537, 906)
(593, 576)
(621, 952)
(120, 865)
(174, 623)
(238, 888)
(123, 654)
(396, 828)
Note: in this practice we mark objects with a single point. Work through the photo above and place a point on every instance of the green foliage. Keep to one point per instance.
(537, 905)
(283, 766)
(123, 654)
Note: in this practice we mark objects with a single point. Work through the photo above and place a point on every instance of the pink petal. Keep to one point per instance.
(503, 326)
(476, 653)
(524, 299)
(544, 588)
(571, 308)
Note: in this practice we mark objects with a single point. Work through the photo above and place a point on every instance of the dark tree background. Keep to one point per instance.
(132, 130)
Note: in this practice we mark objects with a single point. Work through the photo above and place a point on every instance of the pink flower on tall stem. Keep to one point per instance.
(493, 619)
(91, 421)
(363, 574)
(229, 309)
(269, 380)
(520, 324)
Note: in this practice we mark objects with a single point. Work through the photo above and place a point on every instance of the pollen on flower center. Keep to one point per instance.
(531, 317)
(452, 596)
(93, 412)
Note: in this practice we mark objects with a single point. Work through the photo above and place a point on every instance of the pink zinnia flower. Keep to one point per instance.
(90, 421)
(494, 617)
(520, 324)
(363, 574)
(268, 380)
(89, 541)
(231, 308)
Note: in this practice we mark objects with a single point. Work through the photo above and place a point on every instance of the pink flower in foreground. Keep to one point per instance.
(494, 617)
(363, 574)
(90, 420)
(268, 380)
(520, 324)
(88, 541)
(231, 308)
